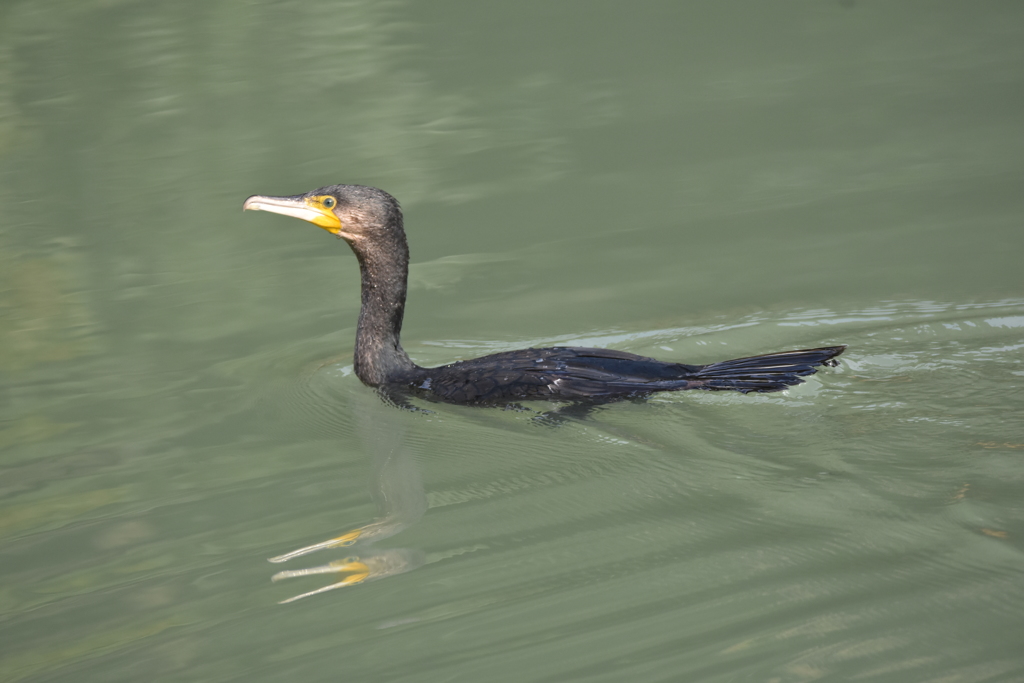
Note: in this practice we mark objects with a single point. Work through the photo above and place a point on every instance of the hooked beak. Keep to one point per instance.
(307, 208)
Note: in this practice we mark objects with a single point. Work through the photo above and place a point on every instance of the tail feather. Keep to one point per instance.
(770, 372)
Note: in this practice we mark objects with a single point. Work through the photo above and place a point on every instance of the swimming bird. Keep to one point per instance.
(370, 220)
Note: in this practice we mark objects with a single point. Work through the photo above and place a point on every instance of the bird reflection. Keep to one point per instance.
(397, 492)
(358, 569)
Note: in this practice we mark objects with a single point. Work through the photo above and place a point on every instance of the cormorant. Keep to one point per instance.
(370, 220)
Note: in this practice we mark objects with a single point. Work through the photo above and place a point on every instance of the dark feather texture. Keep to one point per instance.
(370, 220)
(581, 373)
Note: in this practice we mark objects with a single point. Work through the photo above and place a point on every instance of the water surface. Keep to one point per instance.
(689, 182)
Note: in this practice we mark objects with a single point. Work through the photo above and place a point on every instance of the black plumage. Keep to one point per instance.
(370, 220)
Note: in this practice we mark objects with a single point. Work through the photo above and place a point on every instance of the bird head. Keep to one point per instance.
(351, 212)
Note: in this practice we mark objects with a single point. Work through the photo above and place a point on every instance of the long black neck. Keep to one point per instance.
(384, 266)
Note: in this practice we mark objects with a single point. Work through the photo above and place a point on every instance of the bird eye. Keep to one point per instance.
(329, 202)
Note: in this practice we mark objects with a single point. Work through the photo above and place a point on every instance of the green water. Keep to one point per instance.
(693, 181)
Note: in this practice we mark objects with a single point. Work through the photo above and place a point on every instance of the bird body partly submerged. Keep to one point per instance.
(571, 373)
(371, 222)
